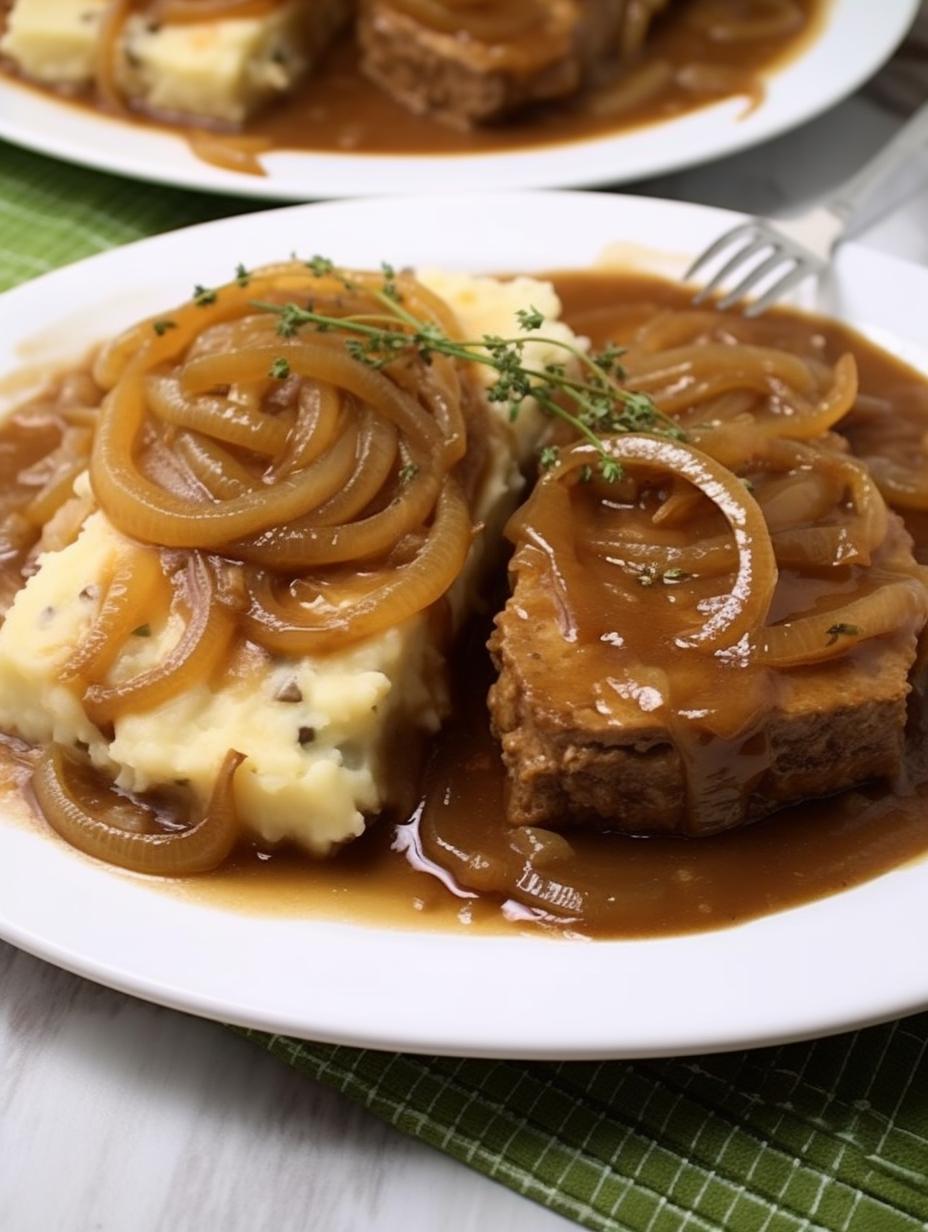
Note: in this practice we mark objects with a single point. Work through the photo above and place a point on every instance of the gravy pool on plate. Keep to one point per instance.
(224, 396)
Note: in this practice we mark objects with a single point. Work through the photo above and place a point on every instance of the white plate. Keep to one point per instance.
(833, 964)
(859, 35)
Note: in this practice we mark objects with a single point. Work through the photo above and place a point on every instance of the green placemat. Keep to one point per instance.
(53, 213)
(824, 1137)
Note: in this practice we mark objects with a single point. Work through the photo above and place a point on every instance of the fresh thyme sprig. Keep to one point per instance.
(592, 401)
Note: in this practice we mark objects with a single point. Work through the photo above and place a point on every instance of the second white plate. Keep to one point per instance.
(858, 36)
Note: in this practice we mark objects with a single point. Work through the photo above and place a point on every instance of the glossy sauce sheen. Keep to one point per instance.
(612, 886)
(457, 864)
(339, 110)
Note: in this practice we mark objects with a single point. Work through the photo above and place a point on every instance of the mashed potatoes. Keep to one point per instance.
(217, 70)
(489, 306)
(321, 735)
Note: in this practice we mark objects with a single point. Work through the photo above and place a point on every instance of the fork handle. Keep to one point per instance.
(854, 201)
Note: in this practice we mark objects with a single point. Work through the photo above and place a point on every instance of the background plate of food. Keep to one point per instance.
(253, 550)
(287, 100)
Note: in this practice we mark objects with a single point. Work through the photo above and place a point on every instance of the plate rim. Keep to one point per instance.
(900, 984)
(389, 174)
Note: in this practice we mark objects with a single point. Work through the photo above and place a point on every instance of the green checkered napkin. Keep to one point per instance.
(812, 1137)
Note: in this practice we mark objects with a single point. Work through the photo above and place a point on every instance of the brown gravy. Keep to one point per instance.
(340, 111)
(455, 863)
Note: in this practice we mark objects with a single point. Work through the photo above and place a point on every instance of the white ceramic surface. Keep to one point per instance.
(857, 37)
(833, 964)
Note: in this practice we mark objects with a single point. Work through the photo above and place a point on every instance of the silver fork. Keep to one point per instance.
(798, 248)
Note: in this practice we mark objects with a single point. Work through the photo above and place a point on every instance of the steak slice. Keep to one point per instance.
(464, 81)
(605, 759)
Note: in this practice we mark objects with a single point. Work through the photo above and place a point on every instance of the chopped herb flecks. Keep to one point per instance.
(161, 327)
(841, 630)
(280, 369)
(203, 296)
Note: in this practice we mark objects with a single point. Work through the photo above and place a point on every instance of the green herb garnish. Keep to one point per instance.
(548, 457)
(242, 276)
(280, 369)
(161, 327)
(320, 266)
(390, 289)
(203, 296)
(530, 318)
(593, 402)
(608, 360)
(142, 631)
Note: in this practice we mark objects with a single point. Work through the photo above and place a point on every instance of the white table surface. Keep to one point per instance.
(116, 1115)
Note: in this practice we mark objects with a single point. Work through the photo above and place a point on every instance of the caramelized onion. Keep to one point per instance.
(813, 484)
(43, 507)
(202, 646)
(130, 598)
(745, 607)
(316, 427)
(758, 19)
(82, 814)
(862, 533)
(141, 508)
(704, 368)
(889, 609)
(375, 459)
(54, 475)
(235, 425)
(324, 361)
(288, 626)
(756, 364)
(215, 467)
(636, 88)
(720, 81)
(800, 419)
(636, 22)
(230, 151)
(903, 480)
(802, 494)
(302, 545)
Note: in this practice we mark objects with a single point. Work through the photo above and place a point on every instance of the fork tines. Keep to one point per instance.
(759, 238)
